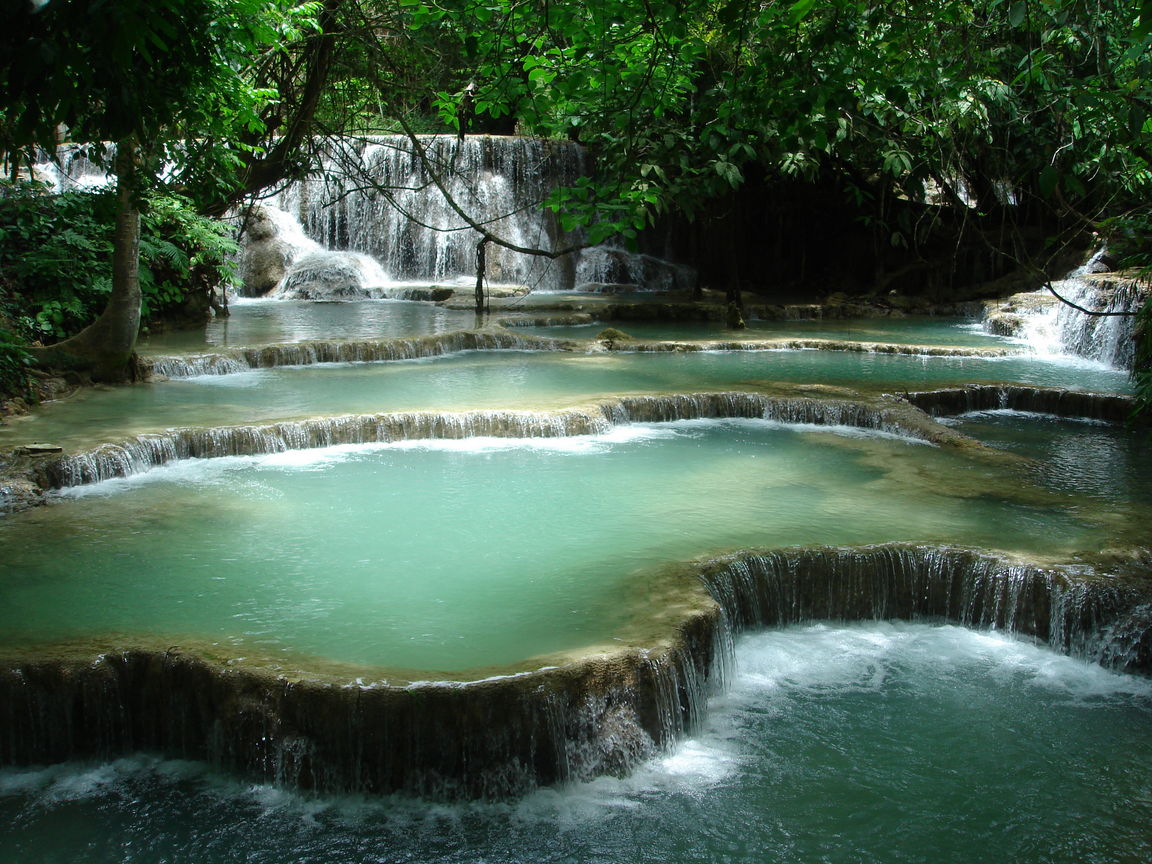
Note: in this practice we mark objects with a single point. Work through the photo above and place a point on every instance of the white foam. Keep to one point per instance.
(812, 661)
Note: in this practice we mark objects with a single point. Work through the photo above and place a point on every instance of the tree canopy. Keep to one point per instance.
(1043, 106)
(147, 76)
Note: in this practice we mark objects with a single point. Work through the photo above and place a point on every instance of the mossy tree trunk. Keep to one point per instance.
(103, 349)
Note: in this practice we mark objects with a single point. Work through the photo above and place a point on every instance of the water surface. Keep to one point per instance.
(460, 554)
(900, 331)
(874, 743)
(262, 321)
(507, 379)
(1088, 457)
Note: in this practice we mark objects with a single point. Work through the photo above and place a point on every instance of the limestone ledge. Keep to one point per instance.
(25, 477)
(499, 733)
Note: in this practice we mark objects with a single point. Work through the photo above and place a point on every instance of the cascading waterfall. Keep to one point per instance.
(1072, 608)
(504, 735)
(1051, 327)
(377, 196)
(373, 351)
(144, 452)
(73, 169)
(1110, 407)
(1108, 339)
(349, 351)
(399, 216)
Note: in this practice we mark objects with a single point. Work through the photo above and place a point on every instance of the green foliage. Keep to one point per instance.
(1142, 368)
(181, 254)
(152, 70)
(611, 337)
(14, 363)
(982, 105)
(1129, 238)
(55, 257)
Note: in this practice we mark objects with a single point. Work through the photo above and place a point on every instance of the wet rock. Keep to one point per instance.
(272, 241)
(332, 276)
(37, 449)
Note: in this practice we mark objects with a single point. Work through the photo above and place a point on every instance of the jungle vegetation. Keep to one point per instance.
(957, 137)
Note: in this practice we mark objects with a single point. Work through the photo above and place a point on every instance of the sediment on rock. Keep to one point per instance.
(506, 735)
(951, 401)
(1074, 608)
(491, 738)
(143, 452)
(816, 345)
(359, 351)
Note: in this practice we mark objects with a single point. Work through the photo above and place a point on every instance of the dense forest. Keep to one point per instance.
(773, 145)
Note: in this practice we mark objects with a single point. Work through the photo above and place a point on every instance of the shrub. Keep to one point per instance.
(56, 257)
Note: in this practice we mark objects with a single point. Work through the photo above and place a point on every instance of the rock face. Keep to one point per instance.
(332, 276)
(272, 241)
(1008, 317)
(489, 738)
(610, 270)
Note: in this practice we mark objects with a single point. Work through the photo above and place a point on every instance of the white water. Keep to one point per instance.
(875, 742)
(1054, 329)
(401, 217)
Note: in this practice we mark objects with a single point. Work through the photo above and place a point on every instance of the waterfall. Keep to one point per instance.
(142, 453)
(376, 196)
(348, 351)
(72, 169)
(949, 402)
(816, 344)
(504, 338)
(1053, 328)
(1071, 607)
(1107, 339)
(330, 730)
(489, 738)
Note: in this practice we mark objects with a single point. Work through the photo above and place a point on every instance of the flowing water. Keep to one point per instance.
(508, 380)
(261, 322)
(875, 742)
(480, 552)
(901, 331)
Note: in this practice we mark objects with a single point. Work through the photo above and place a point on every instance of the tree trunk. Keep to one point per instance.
(103, 349)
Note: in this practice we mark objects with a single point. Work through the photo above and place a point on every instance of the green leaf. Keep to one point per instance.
(800, 10)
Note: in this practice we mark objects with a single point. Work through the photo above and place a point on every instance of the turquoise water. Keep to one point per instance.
(869, 743)
(262, 321)
(459, 554)
(1080, 456)
(901, 331)
(512, 379)
(880, 742)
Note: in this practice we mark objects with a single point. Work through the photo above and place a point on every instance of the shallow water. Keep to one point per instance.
(264, 321)
(874, 743)
(459, 554)
(899, 331)
(1080, 456)
(506, 379)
